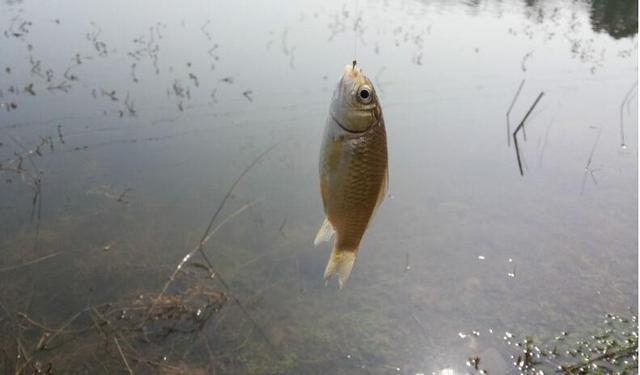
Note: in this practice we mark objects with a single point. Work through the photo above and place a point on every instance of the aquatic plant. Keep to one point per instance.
(612, 348)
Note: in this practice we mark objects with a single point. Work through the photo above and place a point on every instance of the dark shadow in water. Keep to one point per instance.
(618, 18)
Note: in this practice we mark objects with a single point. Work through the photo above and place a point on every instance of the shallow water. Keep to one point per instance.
(141, 117)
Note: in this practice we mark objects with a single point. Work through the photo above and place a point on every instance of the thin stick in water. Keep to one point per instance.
(513, 102)
(593, 150)
(521, 126)
(230, 191)
(61, 329)
(124, 359)
(208, 233)
(36, 206)
(38, 260)
(422, 327)
(587, 167)
(190, 254)
(626, 98)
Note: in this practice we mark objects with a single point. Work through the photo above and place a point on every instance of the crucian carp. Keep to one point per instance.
(353, 169)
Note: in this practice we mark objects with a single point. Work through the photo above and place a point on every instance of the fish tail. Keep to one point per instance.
(340, 262)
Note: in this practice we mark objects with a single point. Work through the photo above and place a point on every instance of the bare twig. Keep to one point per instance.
(24, 354)
(627, 96)
(208, 233)
(206, 237)
(422, 327)
(124, 359)
(46, 337)
(521, 126)
(230, 191)
(34, 175)
(587, 168)
(62, 328)
(38, 260)
(513, 102)
(593, 149)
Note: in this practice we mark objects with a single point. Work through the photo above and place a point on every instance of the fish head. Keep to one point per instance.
(354, 105)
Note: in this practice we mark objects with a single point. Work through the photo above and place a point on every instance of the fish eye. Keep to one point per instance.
(364, 94)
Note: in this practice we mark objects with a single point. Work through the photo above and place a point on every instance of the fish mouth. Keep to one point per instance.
(351, 76)
(352, 71)
(351, 115)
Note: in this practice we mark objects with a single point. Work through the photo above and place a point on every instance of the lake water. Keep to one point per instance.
(124, 124)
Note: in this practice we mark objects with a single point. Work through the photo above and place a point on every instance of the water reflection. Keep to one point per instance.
(618, 18)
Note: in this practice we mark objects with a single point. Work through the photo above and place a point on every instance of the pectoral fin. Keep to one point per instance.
(325, 233)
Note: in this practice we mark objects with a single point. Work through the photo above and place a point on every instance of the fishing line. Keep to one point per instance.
(355, 34)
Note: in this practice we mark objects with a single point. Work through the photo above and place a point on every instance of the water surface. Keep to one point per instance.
(123, 126)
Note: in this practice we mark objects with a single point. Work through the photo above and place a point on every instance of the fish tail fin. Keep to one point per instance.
(325, 233)
(340, 262)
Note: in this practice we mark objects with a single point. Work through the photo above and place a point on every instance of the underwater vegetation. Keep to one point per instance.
(610, 347)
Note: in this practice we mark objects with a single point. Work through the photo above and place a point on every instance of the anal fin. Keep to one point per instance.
(325, 233)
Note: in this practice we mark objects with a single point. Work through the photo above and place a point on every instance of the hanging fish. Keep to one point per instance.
(353, 168)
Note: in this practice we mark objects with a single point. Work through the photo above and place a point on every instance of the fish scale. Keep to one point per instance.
(366, 171)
